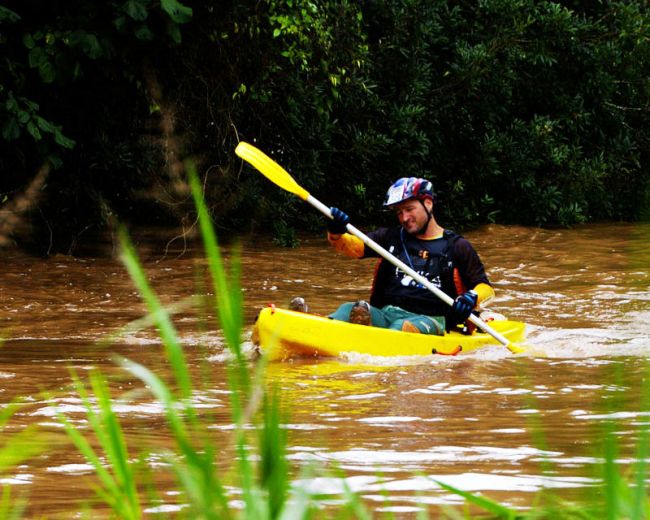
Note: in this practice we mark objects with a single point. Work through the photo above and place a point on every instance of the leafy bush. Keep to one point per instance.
(520, 111)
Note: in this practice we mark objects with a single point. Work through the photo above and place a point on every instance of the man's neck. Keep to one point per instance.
(433, 230)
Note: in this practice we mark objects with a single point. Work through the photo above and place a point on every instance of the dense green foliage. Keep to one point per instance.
(520, 111)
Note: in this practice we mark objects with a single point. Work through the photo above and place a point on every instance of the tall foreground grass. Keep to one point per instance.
(255, 482)
(263, 481)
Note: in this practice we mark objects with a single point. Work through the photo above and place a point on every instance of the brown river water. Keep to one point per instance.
(487, 421)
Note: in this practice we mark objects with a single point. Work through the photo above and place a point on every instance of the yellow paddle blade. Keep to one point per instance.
(270, 169)
(516, 348)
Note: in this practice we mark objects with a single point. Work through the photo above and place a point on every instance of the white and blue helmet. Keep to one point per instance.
(409, 188)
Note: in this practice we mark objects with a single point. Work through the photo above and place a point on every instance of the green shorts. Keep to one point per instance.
(392, 317)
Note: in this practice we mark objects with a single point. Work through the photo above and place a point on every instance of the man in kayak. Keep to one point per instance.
(444, 258)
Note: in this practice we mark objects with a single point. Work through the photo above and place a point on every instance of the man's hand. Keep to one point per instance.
(463, 306)
(336, 226)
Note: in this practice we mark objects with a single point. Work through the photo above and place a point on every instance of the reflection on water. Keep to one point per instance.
(486, 421)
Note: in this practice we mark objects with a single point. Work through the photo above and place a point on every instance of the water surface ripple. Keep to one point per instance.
(507, 426)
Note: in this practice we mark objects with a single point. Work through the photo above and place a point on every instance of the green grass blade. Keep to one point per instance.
(7, 412)
(485, 503)
(148, 320)
(199, 479)
(108, 429)
(207, 496)
(11, 508)
(353, 503)
(611, 476)
(302, 504)
(23, 445)
(110, 489)
(118, 488)
(250, 493)
(229, 296)
(162, 392)
(640, 502)
(274, 469)
(165, 327)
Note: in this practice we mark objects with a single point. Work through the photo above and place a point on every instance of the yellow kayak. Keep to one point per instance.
(282, 334)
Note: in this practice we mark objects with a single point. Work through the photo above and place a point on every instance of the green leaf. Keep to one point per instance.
(144, 33)
(178, 12)
(174, 33)
(75, 38)
(8, 14)
(91, 46)
(62, 140)
(136, 10)
(120, 23)
(11, 130)
(23, 116)
(55, 161)
(36, 57)
(47, 72)
(11, 104)
(31, 105)
(44, 124)
(33, 130)
(29, 41)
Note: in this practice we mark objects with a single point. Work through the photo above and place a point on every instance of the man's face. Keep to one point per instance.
(412, 215)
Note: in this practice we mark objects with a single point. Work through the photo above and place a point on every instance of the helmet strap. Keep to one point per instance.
(429, 217)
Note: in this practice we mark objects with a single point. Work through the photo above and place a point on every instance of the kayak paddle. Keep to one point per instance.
(278, 175)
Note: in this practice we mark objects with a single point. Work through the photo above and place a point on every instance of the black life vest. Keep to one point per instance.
(433, 259)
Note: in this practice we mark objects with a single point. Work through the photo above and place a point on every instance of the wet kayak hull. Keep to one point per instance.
(282, 334)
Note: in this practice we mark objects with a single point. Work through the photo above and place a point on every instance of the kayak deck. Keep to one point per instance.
(282, 334)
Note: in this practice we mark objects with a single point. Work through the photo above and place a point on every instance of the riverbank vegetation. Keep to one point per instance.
(520, 111)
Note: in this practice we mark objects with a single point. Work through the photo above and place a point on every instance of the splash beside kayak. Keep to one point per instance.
(283, 334)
